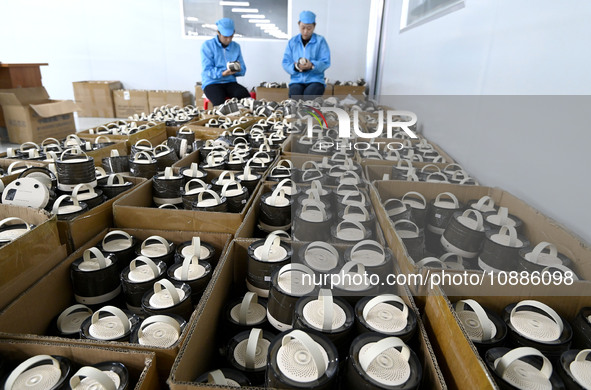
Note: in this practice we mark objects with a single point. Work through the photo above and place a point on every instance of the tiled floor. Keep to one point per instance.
(81, 124)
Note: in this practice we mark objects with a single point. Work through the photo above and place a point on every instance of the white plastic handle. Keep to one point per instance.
(314, 204)
(353, 193)
(112, 177)
(70, 310)
(24, 366)
(358, 206)
(165, 148)
(433, 177)
(97, 375)
(383, 299)
(158, 318)
(272, 243)
(351, 223)
(82, 186)
(103, 138)
(143, 141)
(73, 151)
(14, 219)
(541, 306)
(380, 347)
(430, 260)
(98, 255)
(187, 261)
(210, 192)
(325, 297)
(539, 249)
(161, 240)
(402, 162)
(147, 261)
(408, 222)
(504, 362)
(278, 193)
(169, 287)
(311, 346)
(58, 202)
(322, 245)
(194, 169)
(189, 190)
(350, 265)
(394, 210)
(451, 196)
(511, 232)
(222, 177)
(249, 299)
(136, 157)
(485, 203)
(254, 338)
(487, 326)
(420, 196)
(430, 166)
(231, 183)
(13, 166)
(370, 243)
(216, 377)
(116, 312)
(479, 219)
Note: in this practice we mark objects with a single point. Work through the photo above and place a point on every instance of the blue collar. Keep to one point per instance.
(312, 38)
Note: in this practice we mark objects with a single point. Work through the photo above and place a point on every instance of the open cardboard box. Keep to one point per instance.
(195, 355)
(134, 210)
(140, 364)
(458, 356)
(32, 116)
(28, 317)
(76, 232)
(26, 259)
(537, 226)
(130, 101)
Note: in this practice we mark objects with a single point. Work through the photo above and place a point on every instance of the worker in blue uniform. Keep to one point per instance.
(221, 63)
(306, 58)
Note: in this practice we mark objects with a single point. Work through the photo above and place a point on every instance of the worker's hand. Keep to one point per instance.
(304, 66)
(227, 73)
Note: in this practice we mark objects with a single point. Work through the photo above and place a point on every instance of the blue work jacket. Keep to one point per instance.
(316, 51)
(214, 58)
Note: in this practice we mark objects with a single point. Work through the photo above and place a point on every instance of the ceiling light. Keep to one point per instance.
(192, 19)
(249, 10)
(235, 3)
(259, 21)
(252, 16)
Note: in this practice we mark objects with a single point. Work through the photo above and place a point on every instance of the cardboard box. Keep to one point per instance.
(31, 116)
(53, 293)
(274, 94)
(134, 210)
(95, 98)
(328, 91)
(76, 232)
(28, 258)
(195, 355)
(459, 359)
(140, 364)
(130, 101)
(537, 226)
(157, 99)
(357, 91)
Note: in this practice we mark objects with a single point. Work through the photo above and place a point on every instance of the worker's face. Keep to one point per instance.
(225, 40)
(306, 29)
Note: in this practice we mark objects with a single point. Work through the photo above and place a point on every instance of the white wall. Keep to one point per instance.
(140, 42)
(534, 147)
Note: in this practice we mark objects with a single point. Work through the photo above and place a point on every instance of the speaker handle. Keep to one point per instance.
(311, 346)
(484, 321)
(112, 177)
(255, 336)
(93, 373)
(158, 318)
(161, 240)
(14, 219)
(146, 260)
(543, 307)
(325, 297)
(562, 268)
(70, 310)
(380, 347)
(501, 364)
(98, 255)
(451, 196)
(116, 312)
(167, 284)
(416, 194)
(24, 366)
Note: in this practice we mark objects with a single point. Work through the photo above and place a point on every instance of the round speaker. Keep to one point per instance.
(105, 375)
(157, 249)
(248, 351)
(574, 369)
(496, 219)
(386, 314)
(67, 323)
(464, 235)
(542, 256)
(121, 244)
(379, 362)
(484, 328)
(320, 257)
(196, 273)
(213, 202)
(333, 317)
(109, 324)
(245, 313)
(137, 279)
(373, 256)
(168, 298)
(264, 256)
(40, 372)
(522, 368)
(302, 360)
(352, 285)
(534, 324)
(95, 277)
(159, 331)
(12, 228)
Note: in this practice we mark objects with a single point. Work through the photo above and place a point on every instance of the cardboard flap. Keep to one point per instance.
(22, 96)
(54, 108)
